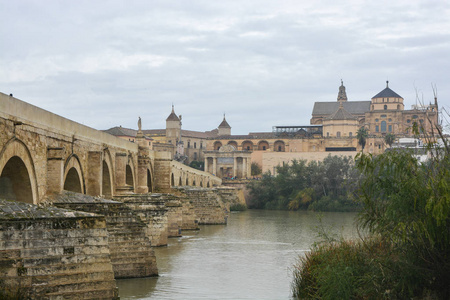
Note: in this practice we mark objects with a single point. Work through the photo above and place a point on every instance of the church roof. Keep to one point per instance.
(353, 107)
(121, 131)
(387, 93)
(341, 114)
(172, 116)
(224, 123)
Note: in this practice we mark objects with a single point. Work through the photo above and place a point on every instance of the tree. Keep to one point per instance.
(199, 165)
(362, 135)
(255, 169)
(389, 139)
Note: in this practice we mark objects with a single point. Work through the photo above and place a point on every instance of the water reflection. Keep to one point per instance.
(250, 258)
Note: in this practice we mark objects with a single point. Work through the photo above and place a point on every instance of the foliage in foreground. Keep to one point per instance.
(327, 185)
(406, 208)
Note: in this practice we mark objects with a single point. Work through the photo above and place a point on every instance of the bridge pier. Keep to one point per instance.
(94, 175)
(55, 169)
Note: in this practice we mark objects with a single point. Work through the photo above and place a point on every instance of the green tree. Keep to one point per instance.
(199, 165)
(408, 205)
(255, 169)
(389, 139)
(362, 135)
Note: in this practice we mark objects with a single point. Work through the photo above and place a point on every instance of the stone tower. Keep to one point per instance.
(224, 127)
(342, 95)
(173, 128)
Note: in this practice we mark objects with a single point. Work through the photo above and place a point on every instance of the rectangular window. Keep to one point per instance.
(390, 128)
(377, 128)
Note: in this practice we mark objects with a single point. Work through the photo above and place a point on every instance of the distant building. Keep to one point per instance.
(332, 130)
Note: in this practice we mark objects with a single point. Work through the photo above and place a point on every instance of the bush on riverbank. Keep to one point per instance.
(406, 207)
(238, 207)
(327, 185)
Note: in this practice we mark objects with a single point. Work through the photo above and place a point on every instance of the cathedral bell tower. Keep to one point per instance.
(342, 95)
(173, 128)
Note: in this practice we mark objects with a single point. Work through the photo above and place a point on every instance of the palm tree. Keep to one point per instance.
(362, 135)
(389, 139)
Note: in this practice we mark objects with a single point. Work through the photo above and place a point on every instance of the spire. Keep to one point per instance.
(387, 83)
(172, 116)
(224, 123)
(342, 95)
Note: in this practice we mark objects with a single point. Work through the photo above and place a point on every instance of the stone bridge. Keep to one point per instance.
(42, 153)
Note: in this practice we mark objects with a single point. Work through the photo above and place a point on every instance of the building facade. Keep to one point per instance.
(333, 129)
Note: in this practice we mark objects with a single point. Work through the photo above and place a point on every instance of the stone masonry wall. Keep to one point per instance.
(231, 195)
(152, 211)
(130, 248)
(208, 206)
(50, 253)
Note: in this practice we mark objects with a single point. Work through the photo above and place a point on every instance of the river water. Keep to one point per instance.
(250, 258)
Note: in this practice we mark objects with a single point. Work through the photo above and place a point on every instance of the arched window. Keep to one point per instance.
(338, 134)
(247, 145)
(195, 145)
(263, 145)
(279, 146)
(383, 126)
(385, 107)
(217, 145)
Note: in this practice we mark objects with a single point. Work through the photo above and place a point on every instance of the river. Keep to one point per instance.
(250, 258)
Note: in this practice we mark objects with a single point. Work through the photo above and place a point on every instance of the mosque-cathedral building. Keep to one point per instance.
(332, 130)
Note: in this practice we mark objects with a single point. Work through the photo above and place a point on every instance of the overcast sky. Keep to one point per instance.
(263, 63)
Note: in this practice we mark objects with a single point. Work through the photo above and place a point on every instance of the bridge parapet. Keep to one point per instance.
(182, 175)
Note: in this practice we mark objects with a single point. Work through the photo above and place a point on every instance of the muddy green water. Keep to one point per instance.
(250, 258)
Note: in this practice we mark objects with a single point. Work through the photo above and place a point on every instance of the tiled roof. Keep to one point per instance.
(387, 93)
(341, 114)
(353, 107)
(224, 124)
(121, 131)
(198, 134)
(173, 116)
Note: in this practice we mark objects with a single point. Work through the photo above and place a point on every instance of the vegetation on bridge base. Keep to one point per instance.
(406, 254)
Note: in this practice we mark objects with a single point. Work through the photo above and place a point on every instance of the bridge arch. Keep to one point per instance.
(149, 181)
(17, 172)
(73, 175)
(107, 175)
(130, 178)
